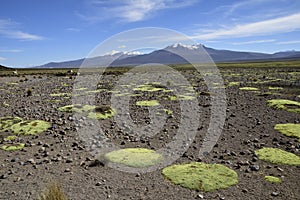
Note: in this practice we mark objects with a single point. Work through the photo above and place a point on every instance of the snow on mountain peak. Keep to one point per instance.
(190, 47)
(128, 53)
(132, 53)
(111, 53)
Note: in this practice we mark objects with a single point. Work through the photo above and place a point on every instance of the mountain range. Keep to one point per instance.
(173, 54)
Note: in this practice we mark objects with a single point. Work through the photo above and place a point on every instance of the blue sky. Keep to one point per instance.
(35, 32)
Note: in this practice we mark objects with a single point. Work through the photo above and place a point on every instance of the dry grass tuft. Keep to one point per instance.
(53, 192)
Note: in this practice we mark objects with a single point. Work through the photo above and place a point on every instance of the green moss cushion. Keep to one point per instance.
(291, 130)
(30, 127)
(201, 176)
(277, 156)
(134, 157)
(284, 104)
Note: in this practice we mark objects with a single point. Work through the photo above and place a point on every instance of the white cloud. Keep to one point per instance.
(131, 10)
(73, 29)
(2, 58)
(254, 42)
(289, 42)
(8, 29)
(139, 10)
(24, 36)
(242, 4)
(266, 27)
(10, 50)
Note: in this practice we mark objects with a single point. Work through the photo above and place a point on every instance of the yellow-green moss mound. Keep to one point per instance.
(151, 88)
(147, 103)
(230, 84)
(7, 122)
(30, 127)
(25, 127)
(18, 126)
(134, 157)
(201, 176)
(76, 108)
(249, 88)
(181, 97)
(275, 88)
(277, 156)
(102, 112)
(13, 147)
(284, 104)
(10, 138)
(272, 179)
(291, 130)
(94, 112)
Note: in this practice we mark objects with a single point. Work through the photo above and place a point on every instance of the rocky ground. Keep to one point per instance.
(60, 155)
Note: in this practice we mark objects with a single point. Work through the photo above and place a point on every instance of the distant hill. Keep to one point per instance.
(5, 68)
(173, 54)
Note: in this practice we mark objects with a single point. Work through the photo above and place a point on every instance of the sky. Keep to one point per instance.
(35, 32)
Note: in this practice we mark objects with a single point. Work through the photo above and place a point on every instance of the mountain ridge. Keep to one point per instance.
(172, 54)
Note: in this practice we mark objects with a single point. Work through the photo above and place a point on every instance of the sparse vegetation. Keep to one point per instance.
(19, 126)
(94, 112)
(230, 84)
(148, 103)
(76, 108)
(102, 112)
(60, 150)
(249, 88)
(284, 104)
(277, 156)
(291, 130)
(53, 192)
(272, 179)
(13, 147)
(201, 176)
(134, 157)
(30, 127)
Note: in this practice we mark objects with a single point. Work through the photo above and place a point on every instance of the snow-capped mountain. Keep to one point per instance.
(104, 60)
(173, 54)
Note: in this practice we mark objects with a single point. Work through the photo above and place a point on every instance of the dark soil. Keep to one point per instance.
(60, 155)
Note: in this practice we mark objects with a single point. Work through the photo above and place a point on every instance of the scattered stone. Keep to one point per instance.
(46, 145)
(256, 140)
(279, 169)
(274, 194)
(244, 190)
(14, 160)
(98, 183)
(254, 167)
(67, 170)
(31, 161)
(3, 176)
(254, 159)
(96, 163)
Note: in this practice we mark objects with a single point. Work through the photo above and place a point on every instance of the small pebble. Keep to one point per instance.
(254, 167)
(31, 161)
(67, 170)
(98, 183)
(274, 194)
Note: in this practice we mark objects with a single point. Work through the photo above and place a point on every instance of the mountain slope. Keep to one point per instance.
(5, 68)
